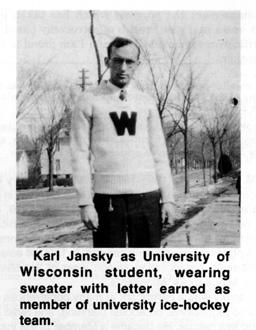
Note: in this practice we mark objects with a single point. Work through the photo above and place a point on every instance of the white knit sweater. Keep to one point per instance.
(127, 160)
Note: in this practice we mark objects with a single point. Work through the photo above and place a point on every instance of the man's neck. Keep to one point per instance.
(120, 86)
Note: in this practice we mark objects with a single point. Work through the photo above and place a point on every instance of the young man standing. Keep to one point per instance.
(120, 126)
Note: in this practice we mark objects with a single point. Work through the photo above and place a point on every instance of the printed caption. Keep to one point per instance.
(146, 281)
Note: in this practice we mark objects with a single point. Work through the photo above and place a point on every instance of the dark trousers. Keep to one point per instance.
(136, 217)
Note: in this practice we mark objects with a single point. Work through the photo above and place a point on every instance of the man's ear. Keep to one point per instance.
(106, 60)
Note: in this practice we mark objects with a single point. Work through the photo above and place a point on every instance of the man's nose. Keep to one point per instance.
(123, 66)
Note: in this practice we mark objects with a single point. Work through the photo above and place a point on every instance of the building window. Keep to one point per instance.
(58, 146)
(57, 164)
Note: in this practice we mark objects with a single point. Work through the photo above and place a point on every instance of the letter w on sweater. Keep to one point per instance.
(124, 122)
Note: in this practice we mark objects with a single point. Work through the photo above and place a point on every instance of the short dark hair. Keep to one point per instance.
(120, 42)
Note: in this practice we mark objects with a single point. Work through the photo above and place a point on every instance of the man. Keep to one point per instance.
(120, 126)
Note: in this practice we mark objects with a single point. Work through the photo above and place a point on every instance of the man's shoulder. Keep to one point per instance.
(143, 95)
(89, 94)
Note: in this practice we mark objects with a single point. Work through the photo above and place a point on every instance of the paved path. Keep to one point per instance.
(218, 225)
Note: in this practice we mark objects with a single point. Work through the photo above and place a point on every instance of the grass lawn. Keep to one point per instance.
(50, 222)
(43, 192)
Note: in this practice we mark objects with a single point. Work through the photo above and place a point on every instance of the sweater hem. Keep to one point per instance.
(125, 183)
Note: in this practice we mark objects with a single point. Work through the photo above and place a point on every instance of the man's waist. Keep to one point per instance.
(125, 183)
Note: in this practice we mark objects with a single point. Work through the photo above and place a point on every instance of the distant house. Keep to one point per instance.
(61, 158)
(22, 164)
(23, 143)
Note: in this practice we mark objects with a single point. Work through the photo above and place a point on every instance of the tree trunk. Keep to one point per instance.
(176, 166)
(37, 174)
(214, 163)
(50, 175)
(95, 46)
(221, 165)
(186, 162)
(204, 173)
(210, 172)
(202, 164)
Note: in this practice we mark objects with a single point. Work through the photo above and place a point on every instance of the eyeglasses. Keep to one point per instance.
(117, 62)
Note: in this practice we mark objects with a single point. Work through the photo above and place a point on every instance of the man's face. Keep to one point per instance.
(122, 64)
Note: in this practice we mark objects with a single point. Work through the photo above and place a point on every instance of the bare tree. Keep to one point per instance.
(210, 131)
(232, 145)
(165, 70)
(29, 81)
(229, 137)
(54, 111)
(175, 150)
(182, 115)
(201, 149)
(37, 141)
(219, 121)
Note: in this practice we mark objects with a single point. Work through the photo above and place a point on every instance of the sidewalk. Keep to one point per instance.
(217, 225)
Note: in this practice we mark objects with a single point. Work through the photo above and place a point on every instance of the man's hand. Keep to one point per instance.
(89, 217)
(168, 213)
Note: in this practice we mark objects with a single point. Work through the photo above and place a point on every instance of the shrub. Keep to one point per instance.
(61, 182)
(225, 165)
(69, 182)
(22, 184)
(64, 182)
(28, 183)
(45, 182)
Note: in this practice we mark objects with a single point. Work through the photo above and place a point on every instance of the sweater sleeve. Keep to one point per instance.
(80, 148)
(160, 156)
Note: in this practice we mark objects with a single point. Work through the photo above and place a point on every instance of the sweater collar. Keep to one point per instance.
(117, 90)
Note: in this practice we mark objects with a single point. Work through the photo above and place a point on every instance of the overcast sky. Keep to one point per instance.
(64, 37)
